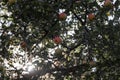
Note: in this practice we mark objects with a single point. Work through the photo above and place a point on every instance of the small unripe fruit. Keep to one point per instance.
(108, 13)
(62, 16)
(23, 44)
(57, 40)
(91, 16)
(58, 51)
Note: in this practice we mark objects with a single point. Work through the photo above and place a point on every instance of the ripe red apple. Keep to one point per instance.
(62, 16)
(57, 40)
(23, 44)
(91, 16)
(107, 3)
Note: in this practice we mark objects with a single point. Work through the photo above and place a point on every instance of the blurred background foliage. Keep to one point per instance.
(85, 49)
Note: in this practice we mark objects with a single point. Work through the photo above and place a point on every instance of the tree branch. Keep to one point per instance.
(83, 23)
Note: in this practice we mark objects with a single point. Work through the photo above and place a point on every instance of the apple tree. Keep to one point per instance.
(60, 39)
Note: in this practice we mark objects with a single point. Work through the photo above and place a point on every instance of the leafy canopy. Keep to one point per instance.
(86, 48)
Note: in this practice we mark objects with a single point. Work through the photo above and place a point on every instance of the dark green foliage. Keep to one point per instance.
(85, 44)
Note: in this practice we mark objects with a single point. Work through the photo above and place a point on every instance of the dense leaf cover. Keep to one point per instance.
(76, 47)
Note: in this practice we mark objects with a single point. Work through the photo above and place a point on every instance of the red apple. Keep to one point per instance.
(57, 40)
(62, 16)
(23, 44)
(91, 16)
(107, 3)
